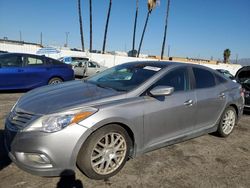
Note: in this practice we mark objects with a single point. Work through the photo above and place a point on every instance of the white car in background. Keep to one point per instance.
(82, 66)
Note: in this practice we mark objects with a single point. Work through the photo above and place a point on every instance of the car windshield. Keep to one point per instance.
(124, 77)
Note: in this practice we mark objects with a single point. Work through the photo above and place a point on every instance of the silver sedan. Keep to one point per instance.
(99, 123)
(87, 68)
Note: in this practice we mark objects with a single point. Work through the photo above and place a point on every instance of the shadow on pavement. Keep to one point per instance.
(4, 159)
(13, 91)
(246, 112)
(68, 180)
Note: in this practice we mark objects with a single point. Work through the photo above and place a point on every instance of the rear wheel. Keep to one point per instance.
(55, 80)
(105, 152)
(227, 122)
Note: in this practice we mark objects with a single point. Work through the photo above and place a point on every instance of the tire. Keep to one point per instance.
(227, 122)
(55, 80)
(105, 152)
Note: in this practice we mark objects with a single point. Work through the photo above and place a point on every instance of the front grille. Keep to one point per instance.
(19, 119)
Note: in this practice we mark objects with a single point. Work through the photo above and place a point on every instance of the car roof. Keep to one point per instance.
(17, 53)
(161, 64)
(165, 64)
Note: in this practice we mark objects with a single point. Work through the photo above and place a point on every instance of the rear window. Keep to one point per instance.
(203, 78)
(54, 62)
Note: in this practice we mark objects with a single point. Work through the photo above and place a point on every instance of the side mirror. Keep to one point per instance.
(162, 91)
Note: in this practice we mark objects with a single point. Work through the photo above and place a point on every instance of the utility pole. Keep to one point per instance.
(20, 36)
(236, 58)
(66, 39)
(41, 38)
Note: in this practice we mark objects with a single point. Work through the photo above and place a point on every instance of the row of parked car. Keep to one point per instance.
(26, 71)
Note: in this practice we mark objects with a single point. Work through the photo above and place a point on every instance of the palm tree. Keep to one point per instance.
(90, 25)
(106, 27)
(136, 14)
(151, 6)
(165, 30)
(80, 21)
(226, 55)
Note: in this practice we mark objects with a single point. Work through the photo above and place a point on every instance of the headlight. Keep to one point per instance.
(56, 122)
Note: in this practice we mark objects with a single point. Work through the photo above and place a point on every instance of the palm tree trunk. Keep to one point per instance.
(90, 25)
(136, 14)
(165, 31)
(80, 21)
(106, 27)
(144, 29)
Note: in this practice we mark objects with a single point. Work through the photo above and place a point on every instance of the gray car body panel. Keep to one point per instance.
(154, 121)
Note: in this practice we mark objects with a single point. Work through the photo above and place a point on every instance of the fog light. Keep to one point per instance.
(37, 158)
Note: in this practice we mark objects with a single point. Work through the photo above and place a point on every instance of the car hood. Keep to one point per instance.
(51, 99)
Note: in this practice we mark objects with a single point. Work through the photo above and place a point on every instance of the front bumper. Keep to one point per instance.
(59, 149)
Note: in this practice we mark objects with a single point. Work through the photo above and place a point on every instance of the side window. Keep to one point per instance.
(203, 78)
(33, 61)
(91, 64)
(10, 61)
(53, 61)
(220, 79)
(178, 79)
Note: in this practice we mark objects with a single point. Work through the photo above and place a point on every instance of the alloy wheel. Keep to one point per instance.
(108, 153)
(228, 122)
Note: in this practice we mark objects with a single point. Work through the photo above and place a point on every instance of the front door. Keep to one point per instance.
(12, 75)
(169, 117)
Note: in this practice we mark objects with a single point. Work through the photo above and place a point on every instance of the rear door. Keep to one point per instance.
(211, 98)
(12, 75)
(36, 70)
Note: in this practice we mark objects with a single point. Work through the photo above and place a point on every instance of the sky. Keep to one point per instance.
(197, 28)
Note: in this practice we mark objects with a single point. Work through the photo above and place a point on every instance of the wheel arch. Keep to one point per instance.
(90, 131)
(235, 108)
(55, 76)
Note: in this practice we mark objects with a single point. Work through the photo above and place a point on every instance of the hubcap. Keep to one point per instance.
(55, 82)
(108, 153)
(228, 122)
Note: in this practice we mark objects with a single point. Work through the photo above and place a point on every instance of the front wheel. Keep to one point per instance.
(227, 122)
(105, 152)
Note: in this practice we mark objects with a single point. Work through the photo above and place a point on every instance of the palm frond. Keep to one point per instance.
(152, 4)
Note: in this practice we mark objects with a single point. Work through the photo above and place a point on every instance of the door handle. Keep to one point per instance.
(222, 95)
(188, 102)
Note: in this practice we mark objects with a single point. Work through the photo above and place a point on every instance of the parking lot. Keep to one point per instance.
(207, 161)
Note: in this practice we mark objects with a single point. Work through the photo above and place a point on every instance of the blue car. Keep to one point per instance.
(26, 71)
